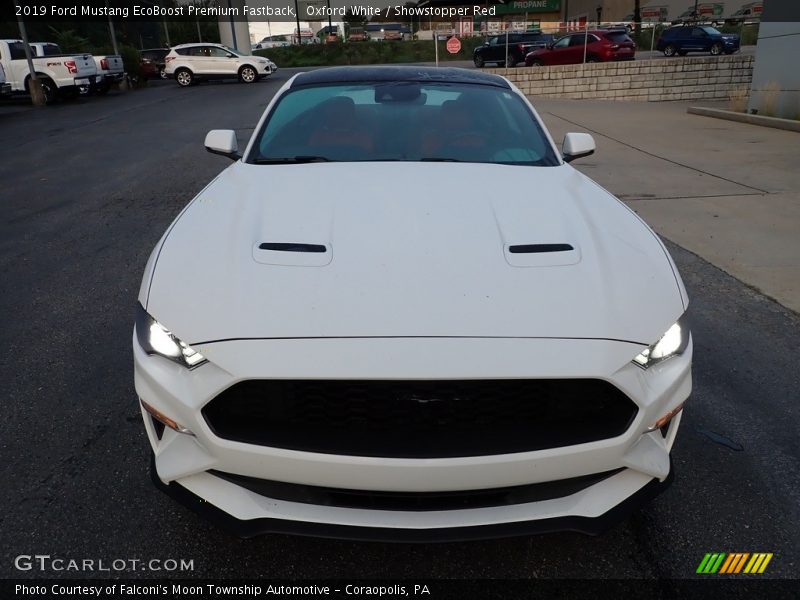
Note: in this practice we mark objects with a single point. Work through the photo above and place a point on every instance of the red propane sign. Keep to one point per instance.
(453, 45)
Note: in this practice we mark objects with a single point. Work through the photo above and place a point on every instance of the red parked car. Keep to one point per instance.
(603, 45)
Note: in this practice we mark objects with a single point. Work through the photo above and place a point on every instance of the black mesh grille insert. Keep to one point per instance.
(416, 501)
(420, 419)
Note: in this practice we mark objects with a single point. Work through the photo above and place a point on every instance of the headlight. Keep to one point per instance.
(157, 339)
(672, 343)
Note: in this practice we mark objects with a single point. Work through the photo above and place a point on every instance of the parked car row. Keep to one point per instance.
(190, 63)
(69, 75)
(598, 45)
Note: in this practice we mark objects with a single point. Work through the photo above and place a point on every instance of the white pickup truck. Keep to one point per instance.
(109, 67)
(61, 75)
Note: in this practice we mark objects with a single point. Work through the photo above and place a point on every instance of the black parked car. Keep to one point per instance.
(519, 44)
(696, 38)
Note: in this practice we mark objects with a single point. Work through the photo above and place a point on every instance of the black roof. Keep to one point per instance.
(369, 74)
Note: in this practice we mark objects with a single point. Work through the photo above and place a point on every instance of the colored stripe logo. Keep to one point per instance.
(734, 563)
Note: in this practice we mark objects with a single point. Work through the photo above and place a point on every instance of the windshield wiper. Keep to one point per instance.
(291, 160)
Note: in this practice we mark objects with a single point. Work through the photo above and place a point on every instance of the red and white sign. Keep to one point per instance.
(454, 45)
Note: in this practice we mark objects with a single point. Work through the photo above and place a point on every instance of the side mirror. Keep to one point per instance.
(550, 45)
(223, 142)
(577, 145)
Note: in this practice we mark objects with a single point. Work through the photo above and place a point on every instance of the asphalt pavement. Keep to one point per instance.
(86, 190)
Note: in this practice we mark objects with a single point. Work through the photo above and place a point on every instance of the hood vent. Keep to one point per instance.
(539, 248)
(292, 254)
(542, 255)
(289, 247)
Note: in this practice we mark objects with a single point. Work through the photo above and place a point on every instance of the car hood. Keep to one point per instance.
(411, 249)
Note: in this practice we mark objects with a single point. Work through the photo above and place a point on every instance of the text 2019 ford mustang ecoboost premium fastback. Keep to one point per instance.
(401, 314)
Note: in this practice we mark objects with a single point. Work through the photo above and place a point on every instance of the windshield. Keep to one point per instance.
(618, 37)
(402, 121)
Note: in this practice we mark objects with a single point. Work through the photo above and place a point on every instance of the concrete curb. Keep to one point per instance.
(717, 113)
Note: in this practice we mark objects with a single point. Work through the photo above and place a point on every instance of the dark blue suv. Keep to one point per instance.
(696, 38)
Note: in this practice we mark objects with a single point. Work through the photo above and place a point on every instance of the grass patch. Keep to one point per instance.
(737, 100)
(768, 99)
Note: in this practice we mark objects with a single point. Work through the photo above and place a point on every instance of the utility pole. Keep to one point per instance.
(34, 85)
(113, 33)
(166, 32)
(199, 35)
(695, 15)
(297, 20)
(123, 85)
(330, 25)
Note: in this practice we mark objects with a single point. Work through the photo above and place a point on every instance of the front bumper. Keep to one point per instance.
(182, 463)
(270, 525)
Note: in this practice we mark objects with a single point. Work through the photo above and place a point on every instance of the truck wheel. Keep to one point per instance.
(716, 49)
(670, 50)
(247, 74)
(162, 73)
(479, 62)
(184, 77)
(511, 62)
(48, 88)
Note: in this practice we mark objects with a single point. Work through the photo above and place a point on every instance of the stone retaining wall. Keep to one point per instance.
(689, 78)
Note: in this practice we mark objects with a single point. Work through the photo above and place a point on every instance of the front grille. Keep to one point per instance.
(420, 419)
(415, 501)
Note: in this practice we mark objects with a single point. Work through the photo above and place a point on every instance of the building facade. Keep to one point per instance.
(775, 91)
(579, 12)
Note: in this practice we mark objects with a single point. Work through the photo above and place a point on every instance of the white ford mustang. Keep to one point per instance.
(401, 314)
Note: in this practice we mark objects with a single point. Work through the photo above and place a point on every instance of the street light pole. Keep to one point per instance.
(34, 85)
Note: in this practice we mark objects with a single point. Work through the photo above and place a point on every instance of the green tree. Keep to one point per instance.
(69, 41)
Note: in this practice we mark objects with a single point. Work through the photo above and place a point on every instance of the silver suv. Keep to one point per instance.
(188, 63)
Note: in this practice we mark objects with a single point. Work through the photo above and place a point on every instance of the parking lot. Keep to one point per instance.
(88, 188)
